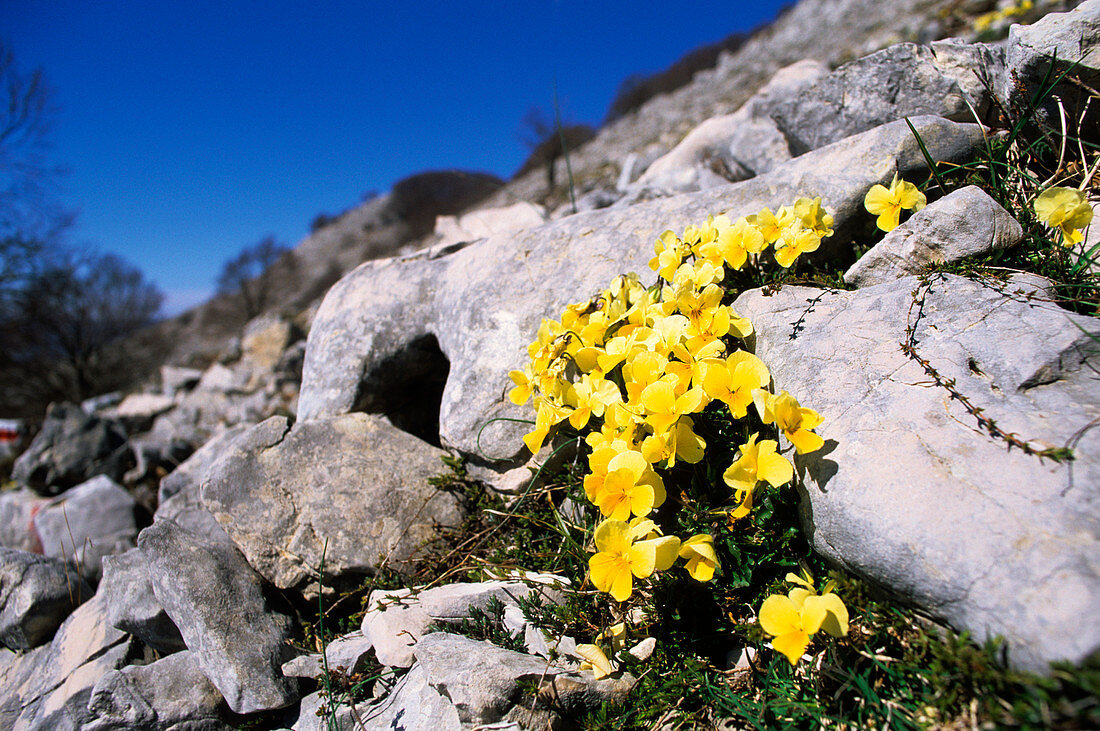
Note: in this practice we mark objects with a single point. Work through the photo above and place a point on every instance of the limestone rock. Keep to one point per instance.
(88, 522)
(910, 492)
(131, 604)
(174, 379)
(375, 317)
(396, 619)
(48, 687)
(1051, 45)
(171, 693)
(484, 222)
(217, 601)
(484, 682)
(350, 652)
(733, 146)
(37, 594)
(17, 509)
(964, 223)
(190, 473)
(412, 704)
(352, 481)
(72, 448)
(903, 80)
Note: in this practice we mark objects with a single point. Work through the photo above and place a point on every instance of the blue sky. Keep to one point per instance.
(190, 130)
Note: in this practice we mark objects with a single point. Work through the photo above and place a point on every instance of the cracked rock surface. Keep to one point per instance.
(353, 481)
(910, 491)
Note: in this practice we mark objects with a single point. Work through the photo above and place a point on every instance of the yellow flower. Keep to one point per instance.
(794, 241)
(670, 252)
(793, 420)
(678, 442)
(595, 660)
(663, 407)
(1066, 209)
(700, 555)
(886, 203)
(734, 380)
(758, 462)
(620, 558)
(791, 619)
(548, 414)
(630, 487)
(591, 395)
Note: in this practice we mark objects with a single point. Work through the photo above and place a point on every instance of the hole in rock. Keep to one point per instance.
(407, 388)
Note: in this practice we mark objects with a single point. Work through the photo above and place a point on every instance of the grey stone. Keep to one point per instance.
(910, 492)
(17, 509)
(964, 223)
(352, 652)
(354, 482)
(395, 620)
(138, 410)
(217, 601)
(733, 146)
(903, 80)
(174, 379)
(88, 522)
(158, 697)
(484, 682)
(131, 604)
(37, 594)
(190, 473)
(47, 687)
(412, 704)
(72, 448)
(484, 222)
(186, 509)
(1051, 46)
(385, 309)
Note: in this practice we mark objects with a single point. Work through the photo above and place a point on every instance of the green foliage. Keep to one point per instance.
(483, 624)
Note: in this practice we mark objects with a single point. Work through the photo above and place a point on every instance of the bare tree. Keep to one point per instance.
(59, 330)
(251, 274)
(27, 210)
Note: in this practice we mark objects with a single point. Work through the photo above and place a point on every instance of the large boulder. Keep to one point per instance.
(48, 688)
(88, 522)
(911, 489)
(170, 694)
(37, 594)
(1037, 54)
(353, 483)
(373, 322)
(131, 604)
(964, 223)
(218, 603)
(72, 448)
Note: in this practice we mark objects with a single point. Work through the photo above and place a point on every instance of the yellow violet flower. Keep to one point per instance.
(793, 420)
(700, 555)
(670, 252)
(663, 407)
(758, 462)
(734, 380)
(791, 619)
(619, 558)
(630, 487)
(678, 442)
(548, 414)
(793, 242)
(1065, 209)
(886, 203)
(595, 660)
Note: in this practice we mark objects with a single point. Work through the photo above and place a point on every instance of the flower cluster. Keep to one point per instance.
(1066, 209)
(793, 618)
(887, 203)
(634, 366)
